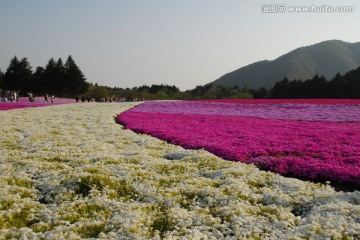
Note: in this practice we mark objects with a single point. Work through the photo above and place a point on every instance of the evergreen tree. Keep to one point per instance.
(26, 73)
(316, 87)
(144, 88)
(280, 89)
(75, 80)
(39, 81)
(60, 78)
(259, 93)
(337, 87)
(18, 75)
(10, 74)
(352, 79)
(49, 80)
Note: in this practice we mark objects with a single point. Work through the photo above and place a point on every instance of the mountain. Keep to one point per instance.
(325, 58)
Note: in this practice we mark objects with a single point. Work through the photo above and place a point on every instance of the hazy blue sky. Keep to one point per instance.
(177, 42)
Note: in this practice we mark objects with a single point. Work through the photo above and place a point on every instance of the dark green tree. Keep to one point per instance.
(18, 75)
(352, 80)
(75, 80)
(38, 81)
(49, 77)
(259, 93)
(280, 89)
(10, 77)
(337, 87)
(55, 77)
(316, 87)
(60, 78)
(98, 92)
(144, 88)
(199, 90)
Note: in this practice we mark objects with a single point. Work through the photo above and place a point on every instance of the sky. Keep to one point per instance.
(130, 43)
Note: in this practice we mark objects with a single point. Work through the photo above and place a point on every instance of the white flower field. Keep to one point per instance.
(71, 172)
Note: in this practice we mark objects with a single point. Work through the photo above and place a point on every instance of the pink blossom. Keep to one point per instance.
(311, 141)
(39, 102)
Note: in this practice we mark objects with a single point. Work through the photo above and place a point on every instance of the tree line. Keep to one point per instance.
(67, 80)
(341, 86)
(346, 86)
(168, 92)
(56, 78)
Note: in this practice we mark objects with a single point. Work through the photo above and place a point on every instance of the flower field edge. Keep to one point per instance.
(287, 101)
(24, 103)
(313, 161)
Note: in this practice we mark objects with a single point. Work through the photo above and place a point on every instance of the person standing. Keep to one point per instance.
(17, 96)
(13, 96)
(31, 97)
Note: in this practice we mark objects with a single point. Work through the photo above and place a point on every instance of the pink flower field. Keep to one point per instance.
(39, 102)
(317, 140)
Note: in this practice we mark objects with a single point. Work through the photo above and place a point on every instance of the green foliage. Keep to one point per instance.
(18, 219)
(98, 91)
(157, 88)
(217, 92)
(92, 230)
(75, 81)
(101, 182)
(53, 79)
(347, 86)
(38, 81)
(65, 80)
(18, 75)
(153, 92)
(260, 93)
(162, 222)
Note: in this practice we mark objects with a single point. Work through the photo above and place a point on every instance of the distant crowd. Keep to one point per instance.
(13, 96)
(107, 99)
(10, 96)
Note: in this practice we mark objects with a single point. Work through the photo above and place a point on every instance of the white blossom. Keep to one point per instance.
(71, 172)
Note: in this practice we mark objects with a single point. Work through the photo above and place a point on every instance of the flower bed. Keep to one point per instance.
(318, 142)
(287, 101)
(39, 102)
(70, 172)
